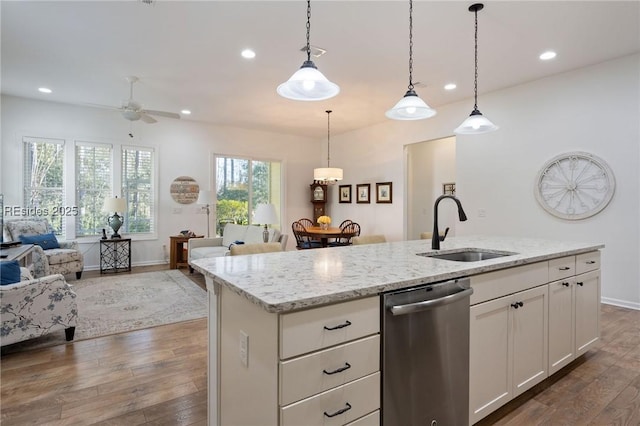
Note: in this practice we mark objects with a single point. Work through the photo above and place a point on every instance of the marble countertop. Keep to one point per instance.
(291, 280)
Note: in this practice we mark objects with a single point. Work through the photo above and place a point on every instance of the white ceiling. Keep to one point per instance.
(187, 54)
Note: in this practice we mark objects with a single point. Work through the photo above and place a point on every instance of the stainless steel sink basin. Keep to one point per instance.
(468, 255)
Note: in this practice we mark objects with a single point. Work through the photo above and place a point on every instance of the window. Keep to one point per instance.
(44, 180)
(93, 184)
(138, 189)
(242, 184)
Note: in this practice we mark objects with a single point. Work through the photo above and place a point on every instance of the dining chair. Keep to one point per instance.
(347, 232)
(345, 223)
(307, 223)
(303, 241)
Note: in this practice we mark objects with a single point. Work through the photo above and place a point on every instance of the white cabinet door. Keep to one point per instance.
(561, 324)
(489, 352)
(587, 301)
(528, 327)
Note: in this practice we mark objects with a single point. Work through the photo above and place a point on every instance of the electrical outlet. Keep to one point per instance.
(482, 213)
(244, 348)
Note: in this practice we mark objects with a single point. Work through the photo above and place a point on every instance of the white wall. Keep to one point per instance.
(594, 109)
(183, 148)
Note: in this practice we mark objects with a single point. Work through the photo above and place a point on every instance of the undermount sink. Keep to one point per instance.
(468, 255)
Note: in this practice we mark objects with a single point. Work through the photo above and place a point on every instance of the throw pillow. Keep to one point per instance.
(9, 272)
(46, 241)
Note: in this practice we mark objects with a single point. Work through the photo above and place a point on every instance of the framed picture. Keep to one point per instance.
(449, 188)
(345, 193)
(384, 192)
(363, 190)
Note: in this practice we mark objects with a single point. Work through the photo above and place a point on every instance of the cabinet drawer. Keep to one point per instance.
(372, 419)
(508, 281)
(314, 373)
(306, 331)
(337, 406)
(587, 262)
(562, 268)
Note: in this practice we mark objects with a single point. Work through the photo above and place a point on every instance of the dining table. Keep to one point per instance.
(323, 235)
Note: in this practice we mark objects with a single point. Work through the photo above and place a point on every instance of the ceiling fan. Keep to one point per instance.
(132, 110)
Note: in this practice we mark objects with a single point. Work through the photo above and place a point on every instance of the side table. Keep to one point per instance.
(22, 253)
(115, 255)
(177, 254)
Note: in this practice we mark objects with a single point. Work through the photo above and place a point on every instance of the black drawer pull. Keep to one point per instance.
(337, 413)
(590, 262)
(580, 283)
(339, 370)
(347, 323)
(564, 268)
(517, 305)
(565, 284)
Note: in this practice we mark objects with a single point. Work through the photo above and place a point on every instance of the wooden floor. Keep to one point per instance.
(158, 377)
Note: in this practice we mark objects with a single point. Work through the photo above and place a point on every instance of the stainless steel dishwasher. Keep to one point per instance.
(425, 355)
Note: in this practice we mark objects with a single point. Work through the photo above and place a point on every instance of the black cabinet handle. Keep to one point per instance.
(580, 283)
(590, 262)
(517, 305)
(339, 370)
(564, 268)
(347, 323)
(337, 413)
(565, 284)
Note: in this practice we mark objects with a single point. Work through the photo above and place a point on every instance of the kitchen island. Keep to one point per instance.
(263, 309)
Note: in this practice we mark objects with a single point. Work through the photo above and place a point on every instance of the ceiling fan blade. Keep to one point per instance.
(147, 119)
(162, 113)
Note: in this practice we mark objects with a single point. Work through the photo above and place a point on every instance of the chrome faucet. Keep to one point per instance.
(435, 238)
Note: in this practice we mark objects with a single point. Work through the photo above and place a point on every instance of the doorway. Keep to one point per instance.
(431, 169)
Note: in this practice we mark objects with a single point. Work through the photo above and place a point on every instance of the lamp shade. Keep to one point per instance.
(114, 204)
(308, 84)
(327, 174)
(265, 214)
(204, 197)
(475, 124)
(410, 107)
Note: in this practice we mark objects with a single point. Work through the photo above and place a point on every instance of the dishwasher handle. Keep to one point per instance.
(410, 308)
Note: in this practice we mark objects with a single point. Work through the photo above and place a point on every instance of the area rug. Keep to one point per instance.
(120, 303)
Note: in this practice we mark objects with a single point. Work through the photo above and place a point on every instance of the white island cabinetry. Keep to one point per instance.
(294, 336)
(527, 323)
(314, 367)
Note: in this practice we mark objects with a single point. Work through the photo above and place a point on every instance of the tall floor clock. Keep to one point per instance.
(319, 200)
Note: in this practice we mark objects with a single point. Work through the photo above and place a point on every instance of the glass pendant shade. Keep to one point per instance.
(475, 124)
(410, 107)
(327, 174)
(308, 84)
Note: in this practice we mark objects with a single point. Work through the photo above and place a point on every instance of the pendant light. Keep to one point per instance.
(410, 107)
(327, 175)
(308, 84)
(476, 123)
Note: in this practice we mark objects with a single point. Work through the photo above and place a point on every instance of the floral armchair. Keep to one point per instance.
(63, 260)
(35, 307)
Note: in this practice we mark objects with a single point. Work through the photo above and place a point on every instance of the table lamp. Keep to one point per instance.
(114, 205)
(265, 214)
(204, 197)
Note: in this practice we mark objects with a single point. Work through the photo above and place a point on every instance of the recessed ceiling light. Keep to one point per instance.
(248, 54)
(549, 54)
(185, 112)
(44, 90)
(450, 86)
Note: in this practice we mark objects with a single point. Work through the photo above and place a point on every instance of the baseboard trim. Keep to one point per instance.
(621, 303)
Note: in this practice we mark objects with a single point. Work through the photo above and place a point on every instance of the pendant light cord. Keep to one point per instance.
(308, 29)
(410, 45)
(475, 80)
(328, 136)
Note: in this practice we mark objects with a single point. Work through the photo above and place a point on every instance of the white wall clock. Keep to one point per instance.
(575, 185)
